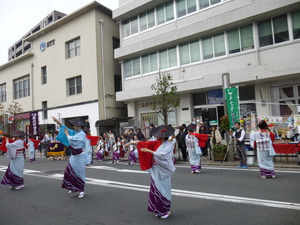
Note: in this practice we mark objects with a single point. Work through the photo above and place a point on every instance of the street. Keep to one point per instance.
(118, 194)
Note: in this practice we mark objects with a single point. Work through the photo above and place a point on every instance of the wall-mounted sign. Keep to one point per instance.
(45, 45)
(42, 46)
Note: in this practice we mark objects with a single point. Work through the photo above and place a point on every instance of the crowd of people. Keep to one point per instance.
(155, 155)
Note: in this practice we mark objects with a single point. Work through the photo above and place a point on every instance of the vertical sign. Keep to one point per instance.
(232, 100)
(34, 123)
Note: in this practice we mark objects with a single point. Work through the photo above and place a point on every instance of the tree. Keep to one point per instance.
(1, 113)
(165, 98)
(12, 111)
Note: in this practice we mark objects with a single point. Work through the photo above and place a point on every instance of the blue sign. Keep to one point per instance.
(43, 46)
(215, 96)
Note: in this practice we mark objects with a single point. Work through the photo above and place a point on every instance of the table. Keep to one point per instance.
(286, 148)
(56, 149)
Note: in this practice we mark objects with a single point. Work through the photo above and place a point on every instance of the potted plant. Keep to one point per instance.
(219, 151)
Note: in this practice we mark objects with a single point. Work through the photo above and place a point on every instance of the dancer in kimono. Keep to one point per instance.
(74, 175)
(14, 176)
(133, 152)
(265, 151)
(100, 150)
(193, 148)
(161, 168)
(33, 144)
(117, 149)
(123, 150)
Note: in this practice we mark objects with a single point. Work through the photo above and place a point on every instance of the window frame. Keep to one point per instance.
(21, 87)
(76, 48)
(75, 86)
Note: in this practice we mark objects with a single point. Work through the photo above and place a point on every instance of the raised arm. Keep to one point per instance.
(56, 121)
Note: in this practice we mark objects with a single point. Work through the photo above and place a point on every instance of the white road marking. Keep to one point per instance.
(175, 192)
(252, 169)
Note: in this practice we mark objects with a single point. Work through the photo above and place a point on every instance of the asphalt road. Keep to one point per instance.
(118, 194)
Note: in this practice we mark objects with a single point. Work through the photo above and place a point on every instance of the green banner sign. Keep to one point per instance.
(232, 101)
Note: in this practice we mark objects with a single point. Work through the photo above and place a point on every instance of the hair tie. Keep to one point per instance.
(163, 130)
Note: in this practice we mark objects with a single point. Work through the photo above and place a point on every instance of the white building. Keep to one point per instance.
(69, 71)
(256, 41)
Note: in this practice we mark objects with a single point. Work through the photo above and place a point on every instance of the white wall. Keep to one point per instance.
(90, 110)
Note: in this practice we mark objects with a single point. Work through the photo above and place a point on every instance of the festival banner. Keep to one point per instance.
(34, 123)
(232, 101)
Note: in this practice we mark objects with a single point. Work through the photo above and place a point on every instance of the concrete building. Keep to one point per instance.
(69, 71)
(196, 41)
(20, 47)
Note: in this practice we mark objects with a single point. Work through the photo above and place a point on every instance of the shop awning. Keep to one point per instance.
(112, 121)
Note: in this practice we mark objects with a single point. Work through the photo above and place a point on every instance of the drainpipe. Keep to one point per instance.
(32, 88)
(102, 66)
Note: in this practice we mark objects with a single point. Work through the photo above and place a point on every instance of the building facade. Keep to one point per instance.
(21, 47)
(196, 41)
(70, 70)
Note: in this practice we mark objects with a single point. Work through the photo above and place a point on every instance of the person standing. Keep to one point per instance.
(74, 174)
(215, 136)
(193, 149)
(239, 137)
(33, 144)
(46, 141)
(265, 152)
(183, 144)
(179, 140)
(14, 176)
(161, 170)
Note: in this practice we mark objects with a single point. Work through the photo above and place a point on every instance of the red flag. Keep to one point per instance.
(35, 142)
(202, 138)
(94, 139)
(3, 145)
(146, 158)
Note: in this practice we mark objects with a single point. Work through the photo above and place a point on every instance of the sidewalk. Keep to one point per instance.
(205, 161)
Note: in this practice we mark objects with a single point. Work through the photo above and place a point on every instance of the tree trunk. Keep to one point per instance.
(165, 118)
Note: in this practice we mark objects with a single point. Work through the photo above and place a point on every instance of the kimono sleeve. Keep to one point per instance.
(62, 137)
(146, 158)
(94, 139)
(202, 138)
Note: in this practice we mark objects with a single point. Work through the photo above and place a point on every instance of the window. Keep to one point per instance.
(247, 92)
(136, 69)
(45, 110)
(286, 92)
(213, 46)
(189, 52)
(240, 39)
(127, 68)
(44, 75)
(273, 31)
(134, 25)
(73, 48)
(132, 67)
(199, 98)
(2, 93)
(296, 24)
(22, 87)
(185, 7)
(126, 28)
(164, 13)
(206, 3)
(74, 85)
(168, 58)
(116, 43)
(118, 83)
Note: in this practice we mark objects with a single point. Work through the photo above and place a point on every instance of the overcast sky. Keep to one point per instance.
(17, 17)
